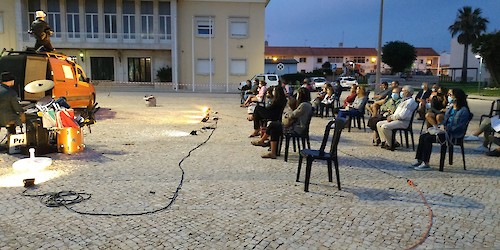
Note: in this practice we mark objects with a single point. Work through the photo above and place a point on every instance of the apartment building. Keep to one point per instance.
(362, 60)
(208, 44)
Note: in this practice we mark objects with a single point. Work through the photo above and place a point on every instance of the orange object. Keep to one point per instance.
(70, 140)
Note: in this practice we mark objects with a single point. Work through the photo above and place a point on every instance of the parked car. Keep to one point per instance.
(347, 81)
(270, 79)
(317, 82)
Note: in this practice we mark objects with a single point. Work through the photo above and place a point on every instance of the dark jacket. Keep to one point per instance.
(40, 29)
(9, 106)
(455, 121)
(425, 95)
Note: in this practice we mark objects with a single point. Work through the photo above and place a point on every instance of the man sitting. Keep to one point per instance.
(11, 112)
(400, 118)
(380, 98)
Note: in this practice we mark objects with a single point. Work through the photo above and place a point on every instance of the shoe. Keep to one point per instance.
(493, 153)
(422, 167)
(376, 143)
(382, 145)
(471, 138)
(258, 143)
(269, 156)
(416, 164)
(397, 145)
(482, 149)
(254, 135)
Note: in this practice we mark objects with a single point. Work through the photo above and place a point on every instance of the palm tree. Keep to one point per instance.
(468, 25)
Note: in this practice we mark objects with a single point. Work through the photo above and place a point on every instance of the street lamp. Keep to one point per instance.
(480, 69)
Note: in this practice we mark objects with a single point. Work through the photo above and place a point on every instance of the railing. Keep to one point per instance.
(106, 37)
(165, 86)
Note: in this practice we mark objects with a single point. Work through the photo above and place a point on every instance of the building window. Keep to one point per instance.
(238, 28)
(359, 59)
(336, 59)
(33, 6)
(205, 27)
(147, 19)
(128, 19)
(139, 69)
(204, 67)
(91, 19)
(54, 17)
(110, 19)
(319, 60)
(238, 67)
(302, 59)
(102, 68)
(421, 61)
(165, 25)
(1, 23)
(73, 19)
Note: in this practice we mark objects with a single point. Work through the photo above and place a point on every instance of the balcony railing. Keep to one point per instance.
(105, 37)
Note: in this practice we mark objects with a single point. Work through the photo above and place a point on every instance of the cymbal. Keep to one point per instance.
(39, 86)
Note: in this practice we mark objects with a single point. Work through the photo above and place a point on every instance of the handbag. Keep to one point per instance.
(288, 121)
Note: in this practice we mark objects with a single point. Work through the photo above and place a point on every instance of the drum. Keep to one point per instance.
(70, 140)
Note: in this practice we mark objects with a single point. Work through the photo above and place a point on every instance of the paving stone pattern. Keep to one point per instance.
(233, 199)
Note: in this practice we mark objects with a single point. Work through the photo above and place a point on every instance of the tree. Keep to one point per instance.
(398, 55)
(468, 26)
(488, 46)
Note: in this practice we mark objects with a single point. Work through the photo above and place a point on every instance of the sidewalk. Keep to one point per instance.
(232, 199)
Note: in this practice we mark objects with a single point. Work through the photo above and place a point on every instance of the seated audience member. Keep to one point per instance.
(437, 106)
(455, 121)
(321, 94)
(327, 101)
(288, 89)
(337, 91)
(421, 99)
(400, 118)
(386, 109)
(259, 97)
(380, 98)
(300, 116)
(354, 109)
(350, 98)
(246, 90)
(306, 84)
(488, 131)
(271, 112)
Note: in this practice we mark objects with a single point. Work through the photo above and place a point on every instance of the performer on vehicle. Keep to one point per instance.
(42, 32)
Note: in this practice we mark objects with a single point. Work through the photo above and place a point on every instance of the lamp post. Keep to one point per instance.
(480, 72)
(379, 46)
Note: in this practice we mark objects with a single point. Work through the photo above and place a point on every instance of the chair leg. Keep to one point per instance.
(463, 154)
(450, 154)
(364, 124)
(406, 137)
(329, 166)
(349, 120)
(412, 140)
(308, 142)
(287, 145)
(336, 162)
(280, 144)
(309, 161)
(442, 156)
(294, 144)
(299, 168)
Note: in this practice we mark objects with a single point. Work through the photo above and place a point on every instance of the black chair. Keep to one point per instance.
(320, 154)
(358, 117)
(407, 130)
(296, 139)
(326, 108)
(493, 111)
(458, 141)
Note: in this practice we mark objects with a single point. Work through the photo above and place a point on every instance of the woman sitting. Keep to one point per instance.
(455, 122)
(271, 112)
(355, 109)
(259, 97)
(321, 95)
(327, 101)
(300, 116)
(437, 106)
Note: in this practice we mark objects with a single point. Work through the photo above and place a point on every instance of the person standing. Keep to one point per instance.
(11, 112)
(42, 32)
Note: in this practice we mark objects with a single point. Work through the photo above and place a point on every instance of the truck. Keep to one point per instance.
(70, 81)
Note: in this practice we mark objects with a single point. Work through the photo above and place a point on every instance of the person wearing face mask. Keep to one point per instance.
(437, 106)
(259, 97)
(271, 112)
(454, 122)
(386, 109)
(421, 99)
(399, 119)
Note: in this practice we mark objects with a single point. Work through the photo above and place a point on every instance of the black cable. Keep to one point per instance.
(67, 198)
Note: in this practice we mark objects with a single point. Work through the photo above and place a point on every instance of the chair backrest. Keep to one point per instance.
(461, 137)
(410, 126)
(306, 131)
(363, 105)
(495, 111)
(339, 126)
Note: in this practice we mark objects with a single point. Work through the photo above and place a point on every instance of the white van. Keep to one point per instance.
(270, 79)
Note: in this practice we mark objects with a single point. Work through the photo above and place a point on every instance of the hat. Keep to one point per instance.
(40, 13)
(7, 76)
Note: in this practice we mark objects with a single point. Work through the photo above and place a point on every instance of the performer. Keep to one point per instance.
(42, 32)
(11, 112)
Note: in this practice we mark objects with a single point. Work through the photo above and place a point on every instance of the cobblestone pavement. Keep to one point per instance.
(233, 199)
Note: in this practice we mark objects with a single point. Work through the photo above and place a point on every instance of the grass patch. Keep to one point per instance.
(471, 88)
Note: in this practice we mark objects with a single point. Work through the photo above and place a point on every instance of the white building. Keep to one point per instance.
(476, 70)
